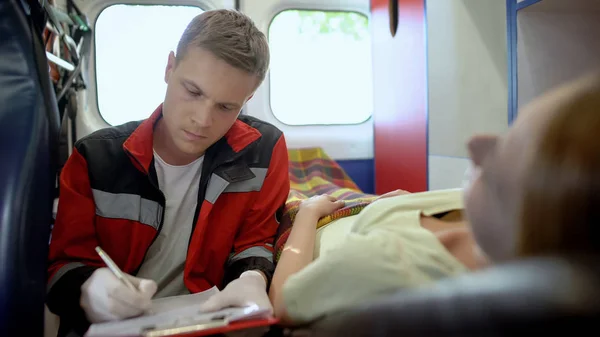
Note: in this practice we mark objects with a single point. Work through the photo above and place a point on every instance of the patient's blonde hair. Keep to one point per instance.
(231, 36)
(561, 208)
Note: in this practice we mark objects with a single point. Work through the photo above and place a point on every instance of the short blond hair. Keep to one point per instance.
(231, 36)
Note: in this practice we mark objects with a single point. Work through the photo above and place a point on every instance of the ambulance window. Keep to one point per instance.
(132, 45)
(320, 67)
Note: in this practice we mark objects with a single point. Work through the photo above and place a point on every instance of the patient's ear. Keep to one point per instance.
(481, 146)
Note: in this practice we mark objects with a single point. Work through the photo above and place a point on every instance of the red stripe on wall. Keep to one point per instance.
(400, 97)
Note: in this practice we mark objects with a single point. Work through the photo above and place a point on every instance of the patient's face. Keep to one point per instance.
(494, 193)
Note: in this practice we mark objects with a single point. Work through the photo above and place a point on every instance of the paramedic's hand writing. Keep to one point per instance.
(105, 298)
(250, 288)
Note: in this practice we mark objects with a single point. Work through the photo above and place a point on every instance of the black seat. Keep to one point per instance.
(529, 298)
(29, 125)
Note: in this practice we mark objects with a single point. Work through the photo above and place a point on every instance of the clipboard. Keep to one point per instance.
(205, 329)
(182, 316)
(222, 321)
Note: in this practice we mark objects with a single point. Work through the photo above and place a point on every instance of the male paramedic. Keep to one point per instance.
(183, 201)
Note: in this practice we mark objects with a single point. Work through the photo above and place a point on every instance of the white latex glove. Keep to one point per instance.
(250, 288)
(105, 298)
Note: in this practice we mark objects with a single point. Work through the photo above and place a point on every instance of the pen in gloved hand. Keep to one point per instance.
(114, 269)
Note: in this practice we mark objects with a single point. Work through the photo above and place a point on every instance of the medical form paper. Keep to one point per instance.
(174, 312)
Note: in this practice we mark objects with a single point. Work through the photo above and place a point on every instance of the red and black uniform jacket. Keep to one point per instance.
(109, 197)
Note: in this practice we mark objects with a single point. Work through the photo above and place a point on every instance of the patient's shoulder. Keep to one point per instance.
(405, 210)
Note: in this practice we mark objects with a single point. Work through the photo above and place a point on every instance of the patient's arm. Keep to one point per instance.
(296, 254)
(298, 250)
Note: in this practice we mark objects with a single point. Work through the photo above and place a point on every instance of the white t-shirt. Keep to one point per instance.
(165, 259)
(380, 250)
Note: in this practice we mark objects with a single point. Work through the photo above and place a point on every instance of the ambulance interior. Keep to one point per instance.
(372, 96)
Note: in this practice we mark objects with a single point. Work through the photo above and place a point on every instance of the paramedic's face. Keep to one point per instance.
(499, 164)
(203, 100)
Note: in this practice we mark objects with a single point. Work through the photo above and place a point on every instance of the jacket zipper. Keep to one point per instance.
(162, 213)
(204, 179)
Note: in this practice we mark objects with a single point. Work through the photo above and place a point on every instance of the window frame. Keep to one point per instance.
(92, 78)
(268, 34)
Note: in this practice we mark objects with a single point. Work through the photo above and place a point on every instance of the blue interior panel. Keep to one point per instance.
(361, 171)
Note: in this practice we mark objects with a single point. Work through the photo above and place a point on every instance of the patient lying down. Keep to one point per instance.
(401, 240)
(535, 191)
